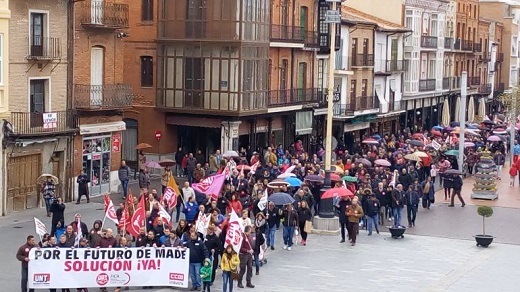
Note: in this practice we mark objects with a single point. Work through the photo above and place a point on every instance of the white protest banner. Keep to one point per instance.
(202, 223)
(234, 233)
(262, 203)
(40, 227)
(108, 267)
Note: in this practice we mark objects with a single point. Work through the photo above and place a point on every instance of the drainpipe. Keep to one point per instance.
(69, 160)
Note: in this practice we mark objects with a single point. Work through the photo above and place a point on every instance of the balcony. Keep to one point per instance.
(484, 57)
(362, 60)
(500, 87)
(289, 97)
(474, 80)
(27, 124)
(293, 34)
(102, 97)
(448, 43)
(455, 82)
(362, 103)
(457, 44)
(426, 85)
(396, 65)
(104, 15)
(44, 48)
(477, 47)
(341, 110)
(429, 42)
(467, 45)
(446, 83)
(484, 89)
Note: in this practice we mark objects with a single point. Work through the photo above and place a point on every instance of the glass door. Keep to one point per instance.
(96, 163)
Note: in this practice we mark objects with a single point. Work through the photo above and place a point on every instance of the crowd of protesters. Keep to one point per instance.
(384, 173)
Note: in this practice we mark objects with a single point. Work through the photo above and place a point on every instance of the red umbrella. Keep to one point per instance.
(418, 135)
(337, 192)
(243, 166)
(436, 133)
(334, 177)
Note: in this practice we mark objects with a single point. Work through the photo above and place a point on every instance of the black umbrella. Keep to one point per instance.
(488, 122)
(281, 199)
(453, 171)
(314, 178)
(416, 143)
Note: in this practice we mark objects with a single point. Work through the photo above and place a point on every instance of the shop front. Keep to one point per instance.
(100, 155)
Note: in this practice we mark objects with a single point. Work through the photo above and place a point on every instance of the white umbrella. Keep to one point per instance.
(482, 109)
(286, 175)
(471, 109)
(446, 113)
(457, 110)
(230, 153)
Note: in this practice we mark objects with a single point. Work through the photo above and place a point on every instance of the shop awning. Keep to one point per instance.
(304, 122)
(102, 128)
(193, 122)
(355, 127)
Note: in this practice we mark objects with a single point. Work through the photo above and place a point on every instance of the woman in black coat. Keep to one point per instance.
(304, 214)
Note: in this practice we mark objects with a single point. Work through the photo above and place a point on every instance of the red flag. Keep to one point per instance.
(125, 219)
(138, 219)
(110, 210)
(170, 196)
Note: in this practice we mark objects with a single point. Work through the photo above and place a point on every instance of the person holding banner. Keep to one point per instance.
(23, 256)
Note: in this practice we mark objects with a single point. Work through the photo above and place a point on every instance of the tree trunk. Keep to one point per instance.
(484, 225)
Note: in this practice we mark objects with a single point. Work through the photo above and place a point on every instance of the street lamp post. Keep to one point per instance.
(333, 18)
(462, 117)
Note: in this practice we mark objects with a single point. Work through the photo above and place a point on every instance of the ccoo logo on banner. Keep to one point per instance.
(108, 267)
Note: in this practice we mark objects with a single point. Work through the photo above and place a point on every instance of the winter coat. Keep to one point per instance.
(191, 210)
(198, 251)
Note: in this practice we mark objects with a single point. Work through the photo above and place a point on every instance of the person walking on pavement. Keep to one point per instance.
(428, 192)
(499, 160)
(412, 204)
(23, 256)
(246, 260)
(457, 187)
(341, 206)
(273, 215)
(48, 192)
(124, 175)
(230, 262)
(354, 213)
(373, 208)
(144, 178)
(398, 200)
(290, 222)
(82, 181)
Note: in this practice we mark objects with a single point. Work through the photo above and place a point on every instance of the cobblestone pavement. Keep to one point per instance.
(415, 263)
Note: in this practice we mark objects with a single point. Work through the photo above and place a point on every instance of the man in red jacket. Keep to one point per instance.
(23, 256)
(246, 260)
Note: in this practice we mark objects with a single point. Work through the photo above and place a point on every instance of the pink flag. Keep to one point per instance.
(234, 233)
(211, 185)
(110, 210)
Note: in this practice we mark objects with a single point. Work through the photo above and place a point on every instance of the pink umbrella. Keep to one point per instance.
(494, 138)
(382, 162)
(153, 164)
(370, 141)
(469, 144)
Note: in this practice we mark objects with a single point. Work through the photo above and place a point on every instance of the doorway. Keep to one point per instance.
(96, 163)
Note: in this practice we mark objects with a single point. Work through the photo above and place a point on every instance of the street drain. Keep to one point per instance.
(17, 227)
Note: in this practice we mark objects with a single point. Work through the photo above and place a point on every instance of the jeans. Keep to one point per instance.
(227, 282)
(48, 203)
(270, 232)
(288, 233)
(25, 274)
(124, 185)
(178, 169)
(375, 220)
(256, 259)
(398, 213)
(195, 274)
(190, 176)
(343, 226)
(412, 214)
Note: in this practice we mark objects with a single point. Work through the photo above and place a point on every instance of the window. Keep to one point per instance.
(1, 63)
(514, 46)
(353, 90)
(283, 74)
(321, 66)
(146, 71)
(37, 33)
(364, 89)
(147, 10)
(513, 80)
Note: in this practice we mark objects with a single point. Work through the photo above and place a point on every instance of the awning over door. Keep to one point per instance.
(102, 128)
(304, 122)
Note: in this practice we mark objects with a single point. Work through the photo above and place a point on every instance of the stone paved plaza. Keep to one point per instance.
(377, 263)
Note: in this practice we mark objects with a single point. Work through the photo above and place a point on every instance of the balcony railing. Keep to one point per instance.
(446, 83)
(429, 42)
(474, 80)
(288, 97)
(106, 97)
(426, 84)
(500, 87)
(361, 103)
(455, 82)
(448, 43)
(40, 124)
(101, 14)
(484, 89)
(396, 65)
(457, 44)
(467, 45)
(341, 110)
(477, 47)
(484, 57)
(362, 60)
(44, 48)
(287, 33)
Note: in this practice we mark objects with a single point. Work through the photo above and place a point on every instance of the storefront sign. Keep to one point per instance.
(108, 267)
(116, 142)
(50, 120)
